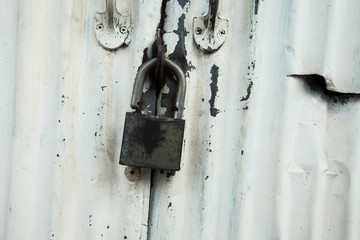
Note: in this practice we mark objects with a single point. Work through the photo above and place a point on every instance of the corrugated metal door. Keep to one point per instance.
(271, 140)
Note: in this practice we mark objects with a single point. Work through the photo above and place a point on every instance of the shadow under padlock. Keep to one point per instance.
(151, 141)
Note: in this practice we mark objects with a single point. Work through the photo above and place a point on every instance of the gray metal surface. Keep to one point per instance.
(268, 154)
(180, 90)
(152, 142)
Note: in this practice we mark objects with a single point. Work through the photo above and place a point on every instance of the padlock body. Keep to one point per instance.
(152, 142)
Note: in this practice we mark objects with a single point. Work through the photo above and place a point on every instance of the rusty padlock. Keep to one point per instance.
(150, 141)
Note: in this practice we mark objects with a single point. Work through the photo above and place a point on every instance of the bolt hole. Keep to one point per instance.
(222, 32)
(132, 173)
(99, 27)
(198, 31)
(123, 30)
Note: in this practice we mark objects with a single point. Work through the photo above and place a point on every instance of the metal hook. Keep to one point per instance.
(210, 31)
(140, 78)
(112, 29)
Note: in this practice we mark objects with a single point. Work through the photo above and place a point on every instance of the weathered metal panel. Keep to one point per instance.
(323, 40)
(268, 153)
(63, 102)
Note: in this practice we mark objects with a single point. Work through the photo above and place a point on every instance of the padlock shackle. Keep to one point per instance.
(140, 79)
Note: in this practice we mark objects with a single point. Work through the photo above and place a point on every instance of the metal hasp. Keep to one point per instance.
(112, 29)
(210, 31)
(153, 141)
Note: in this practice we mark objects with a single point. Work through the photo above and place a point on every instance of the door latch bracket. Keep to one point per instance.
(112, 29)
(210, 31)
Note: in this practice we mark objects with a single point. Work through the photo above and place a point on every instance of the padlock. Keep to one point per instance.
(151, 141)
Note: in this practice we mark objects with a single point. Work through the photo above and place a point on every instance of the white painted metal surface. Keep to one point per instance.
(273, 158)
(63, 102)
(322, 37)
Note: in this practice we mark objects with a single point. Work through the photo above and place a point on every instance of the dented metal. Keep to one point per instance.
(324, 44)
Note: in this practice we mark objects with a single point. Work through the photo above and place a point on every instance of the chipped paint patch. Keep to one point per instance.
(214, 89)
(248, 92)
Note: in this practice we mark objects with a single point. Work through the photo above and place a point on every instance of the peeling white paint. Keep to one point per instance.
(63, 100)
(174, 10)
(172, 38)
(279, 160)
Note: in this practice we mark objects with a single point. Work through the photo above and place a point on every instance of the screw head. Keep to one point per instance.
(99, 26)
(123, 30)
(198, 31)
(132, 173)
(222, 32)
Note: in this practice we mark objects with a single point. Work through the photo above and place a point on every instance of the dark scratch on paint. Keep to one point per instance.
(248, 92)
(256, 6)
(253, 65)
(189, 68)
(214, 89)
